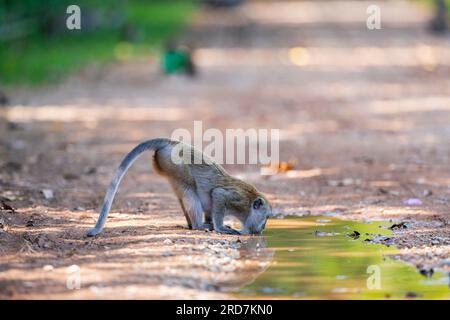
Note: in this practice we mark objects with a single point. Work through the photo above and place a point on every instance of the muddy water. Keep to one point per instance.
(315, 258)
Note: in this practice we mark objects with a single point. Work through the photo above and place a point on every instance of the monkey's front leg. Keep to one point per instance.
(218, 212)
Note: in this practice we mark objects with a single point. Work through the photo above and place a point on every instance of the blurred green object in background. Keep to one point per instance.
(36, 47)
(175, 61)
(178, 59)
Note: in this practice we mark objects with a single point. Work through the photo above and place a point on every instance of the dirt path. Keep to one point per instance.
(365, 113)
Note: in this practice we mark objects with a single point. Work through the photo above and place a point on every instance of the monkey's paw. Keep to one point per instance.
(207, 226)
(226, 230)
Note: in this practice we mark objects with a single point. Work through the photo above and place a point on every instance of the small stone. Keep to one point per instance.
(413, 202)
(348, 181)
(228, 268)
(73, 268)
(355, 235)
(411, 294)
(394, 192)
(167, 241)
(40, 241)
(48, 193)
(70, 176)
(335, 183)
(47, 267)
(226, 260)
(30, 223)
(427, 272)
(445, 262)
(401, 225)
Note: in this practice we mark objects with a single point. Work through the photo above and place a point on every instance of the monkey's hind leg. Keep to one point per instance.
(194, 210)
(186, 215)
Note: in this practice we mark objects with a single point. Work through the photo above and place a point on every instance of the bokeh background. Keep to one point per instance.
(364, 134)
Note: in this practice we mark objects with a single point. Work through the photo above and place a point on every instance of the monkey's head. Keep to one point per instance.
(259, 212)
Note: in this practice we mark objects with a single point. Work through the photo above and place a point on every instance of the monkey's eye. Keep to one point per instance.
(257, 203)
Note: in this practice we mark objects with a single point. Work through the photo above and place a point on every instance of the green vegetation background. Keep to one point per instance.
(36, 47)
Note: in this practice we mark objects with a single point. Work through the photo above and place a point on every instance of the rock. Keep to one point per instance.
(70, 176)
(47, 267)
(73, 268)
(445, 263)
(48, 193)
(30, 223)
(401, 225)
(167, 254)
(167, 241)
(335, 183)
(387, 241)
(228, 268)
(413, 202)
(5, 206)
(427, 272)
(344, 182)
(411, 294)
(91, 170)
(348, 182)
(355, 235)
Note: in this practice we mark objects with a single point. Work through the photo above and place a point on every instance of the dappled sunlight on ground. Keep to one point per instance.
(78, 113)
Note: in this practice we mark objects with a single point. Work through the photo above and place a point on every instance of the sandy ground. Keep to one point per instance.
(365, 113)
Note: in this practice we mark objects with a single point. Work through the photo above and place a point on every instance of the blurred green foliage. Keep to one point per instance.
(36, 46)
(433, 3)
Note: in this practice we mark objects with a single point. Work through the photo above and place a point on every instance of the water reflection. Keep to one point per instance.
(254, 250)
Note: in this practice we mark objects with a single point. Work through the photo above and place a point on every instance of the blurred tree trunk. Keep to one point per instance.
(3, 99)
(439, 22)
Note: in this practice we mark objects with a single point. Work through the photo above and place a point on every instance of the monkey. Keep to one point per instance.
(205, 191)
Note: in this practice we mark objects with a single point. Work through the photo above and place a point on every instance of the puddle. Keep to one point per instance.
(315, 258)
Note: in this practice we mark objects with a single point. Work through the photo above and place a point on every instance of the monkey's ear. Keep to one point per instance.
(258, 203)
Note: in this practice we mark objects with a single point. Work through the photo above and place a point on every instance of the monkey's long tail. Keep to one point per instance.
(154, 144)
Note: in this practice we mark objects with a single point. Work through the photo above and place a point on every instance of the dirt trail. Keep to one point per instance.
(365, 113)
